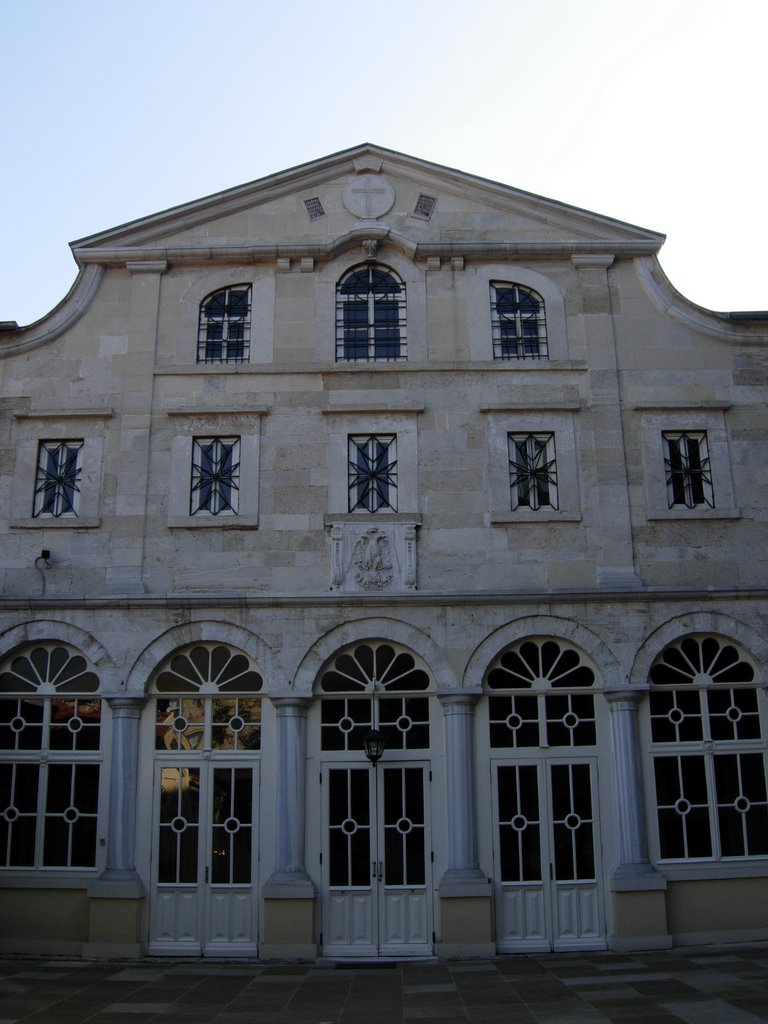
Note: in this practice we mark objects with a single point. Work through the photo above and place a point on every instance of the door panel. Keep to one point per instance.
(376, 897)
(547, 889)
(204, 891)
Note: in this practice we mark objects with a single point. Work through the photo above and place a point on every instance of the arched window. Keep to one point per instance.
(372, 685)
(370, 315)
(518, 324)
(708, 730)
(224, 333)
(50, 761)
(551, 703)
(206, 701)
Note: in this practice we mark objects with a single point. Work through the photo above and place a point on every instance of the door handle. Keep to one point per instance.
(381, 870)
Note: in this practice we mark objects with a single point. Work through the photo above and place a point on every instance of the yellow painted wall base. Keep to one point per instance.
(43, 920)
(466, 927)
(640, 921)
(289, 929)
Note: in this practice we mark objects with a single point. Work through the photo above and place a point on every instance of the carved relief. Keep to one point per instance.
(374, 559)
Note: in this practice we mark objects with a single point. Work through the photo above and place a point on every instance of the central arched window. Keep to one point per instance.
(708, 731)
(374, 685)
(370, 315)
(50, 760)
(549, 700)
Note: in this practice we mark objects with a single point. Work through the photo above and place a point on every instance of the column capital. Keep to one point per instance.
(456, 699)
(628, 697)
(283, 704)
(123, 702)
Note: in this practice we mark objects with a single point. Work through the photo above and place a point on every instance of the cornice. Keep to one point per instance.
(724, 326)
(60, 319)
(119, 256)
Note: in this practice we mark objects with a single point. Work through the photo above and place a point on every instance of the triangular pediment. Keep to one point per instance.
(317, 208)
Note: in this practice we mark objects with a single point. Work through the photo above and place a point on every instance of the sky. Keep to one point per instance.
(650, 112)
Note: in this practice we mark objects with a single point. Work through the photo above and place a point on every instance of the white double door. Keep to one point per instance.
(204, 855)
(547, 856)
(377, 896)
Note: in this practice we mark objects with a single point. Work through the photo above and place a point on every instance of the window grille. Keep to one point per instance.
(224, 334)
(50, 761)
(215, 476)
(314, 208)
(518, 324)
(532, 471)
(372, 484)
(370, 316)
(57, 483)
(687, 468)
(708, 752)
(424, 207)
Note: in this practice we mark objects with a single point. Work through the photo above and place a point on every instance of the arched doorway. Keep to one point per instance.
(376, 850)
(543, 747)
(206, 738)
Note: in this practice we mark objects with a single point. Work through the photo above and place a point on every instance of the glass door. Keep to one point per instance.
(548, 891)
(204, 890)
(377, 898)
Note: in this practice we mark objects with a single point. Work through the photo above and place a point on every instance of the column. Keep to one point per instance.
(633, 848)
(289, 892)
(638, 889)
(116, 897)
(121, 838)
(465, 892)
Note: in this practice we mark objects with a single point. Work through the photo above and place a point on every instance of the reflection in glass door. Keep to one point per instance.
(203, 860)
(548, 887)
(377, 900)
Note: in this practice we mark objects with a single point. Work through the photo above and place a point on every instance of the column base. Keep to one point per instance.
(289, 919)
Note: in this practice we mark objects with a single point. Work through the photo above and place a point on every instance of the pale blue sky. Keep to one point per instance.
(650, 111)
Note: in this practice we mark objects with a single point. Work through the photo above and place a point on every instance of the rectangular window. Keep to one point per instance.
(532, 471)
(215, 476)
(372, 473)
(687, 469)
(58, 478)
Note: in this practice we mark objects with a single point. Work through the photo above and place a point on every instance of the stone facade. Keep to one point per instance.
(463, 419)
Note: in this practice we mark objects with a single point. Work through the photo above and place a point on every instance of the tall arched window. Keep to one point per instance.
(50, 760)
(370, 315)
(224, 332)
(708, 730)
(518, 324)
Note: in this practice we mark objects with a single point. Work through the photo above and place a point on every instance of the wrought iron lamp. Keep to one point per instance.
(373, 745)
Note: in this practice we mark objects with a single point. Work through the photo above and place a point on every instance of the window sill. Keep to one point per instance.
(544, 515)
(705, 870)
(45, 523)
(213, 523)
(671, 514)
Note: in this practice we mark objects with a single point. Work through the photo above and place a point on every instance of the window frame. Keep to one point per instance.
(705, 749)
(656, 420)
(52, 760)
(373, 334)
(189, 425)
(532, 482)
(557, 422)
(225, 321)
(502, 321)
(62, 460)
(372, 486)
(688, 469)
(215, 477)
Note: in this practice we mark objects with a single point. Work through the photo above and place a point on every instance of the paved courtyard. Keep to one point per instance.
(724, 985)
